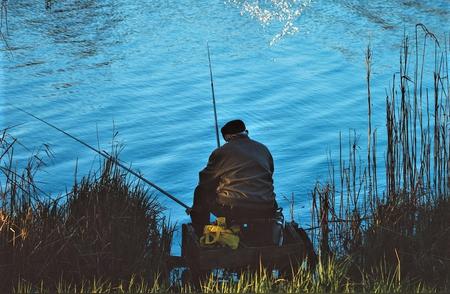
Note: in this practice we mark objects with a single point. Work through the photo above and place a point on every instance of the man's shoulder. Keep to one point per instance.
(257, 143)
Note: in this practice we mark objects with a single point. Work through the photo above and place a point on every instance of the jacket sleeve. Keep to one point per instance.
(210, 175)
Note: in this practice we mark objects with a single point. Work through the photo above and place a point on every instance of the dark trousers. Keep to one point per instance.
(205, 203)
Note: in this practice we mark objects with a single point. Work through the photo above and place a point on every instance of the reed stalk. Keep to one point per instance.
(408, 222)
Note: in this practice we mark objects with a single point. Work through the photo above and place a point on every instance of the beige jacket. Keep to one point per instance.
(240, 172)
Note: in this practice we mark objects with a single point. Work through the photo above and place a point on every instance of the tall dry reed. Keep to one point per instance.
(409, 222)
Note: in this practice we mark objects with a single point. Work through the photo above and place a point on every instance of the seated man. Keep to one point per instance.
(237, 181)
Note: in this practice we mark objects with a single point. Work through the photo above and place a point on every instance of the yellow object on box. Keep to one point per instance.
(219, 234)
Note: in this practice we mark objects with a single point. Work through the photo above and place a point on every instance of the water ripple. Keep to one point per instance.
(293, 70)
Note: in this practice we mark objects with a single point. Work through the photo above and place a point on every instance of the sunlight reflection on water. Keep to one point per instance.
(283, 12)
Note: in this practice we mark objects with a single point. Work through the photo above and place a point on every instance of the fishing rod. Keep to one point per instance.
(213, 97)
(107, 156)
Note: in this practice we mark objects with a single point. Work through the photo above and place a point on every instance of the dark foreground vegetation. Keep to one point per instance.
(108, 234)
(107, 226)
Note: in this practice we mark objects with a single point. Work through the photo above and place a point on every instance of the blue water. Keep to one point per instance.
(294, 71)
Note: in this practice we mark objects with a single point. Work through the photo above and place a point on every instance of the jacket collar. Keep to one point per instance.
(238, 136)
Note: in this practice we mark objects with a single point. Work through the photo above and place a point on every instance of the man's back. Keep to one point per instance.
(246, 176)
(243, 169)
(237, 181)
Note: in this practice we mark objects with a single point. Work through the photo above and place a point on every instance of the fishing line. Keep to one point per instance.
(107, 156)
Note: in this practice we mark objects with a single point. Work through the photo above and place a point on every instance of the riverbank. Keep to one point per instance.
(108, 234)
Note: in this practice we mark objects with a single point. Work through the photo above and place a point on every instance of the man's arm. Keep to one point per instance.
(205, 193)
(209, 176)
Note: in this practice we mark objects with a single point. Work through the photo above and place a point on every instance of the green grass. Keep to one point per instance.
(330, 276)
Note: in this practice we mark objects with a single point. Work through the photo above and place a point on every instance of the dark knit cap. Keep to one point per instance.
(233, 127)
